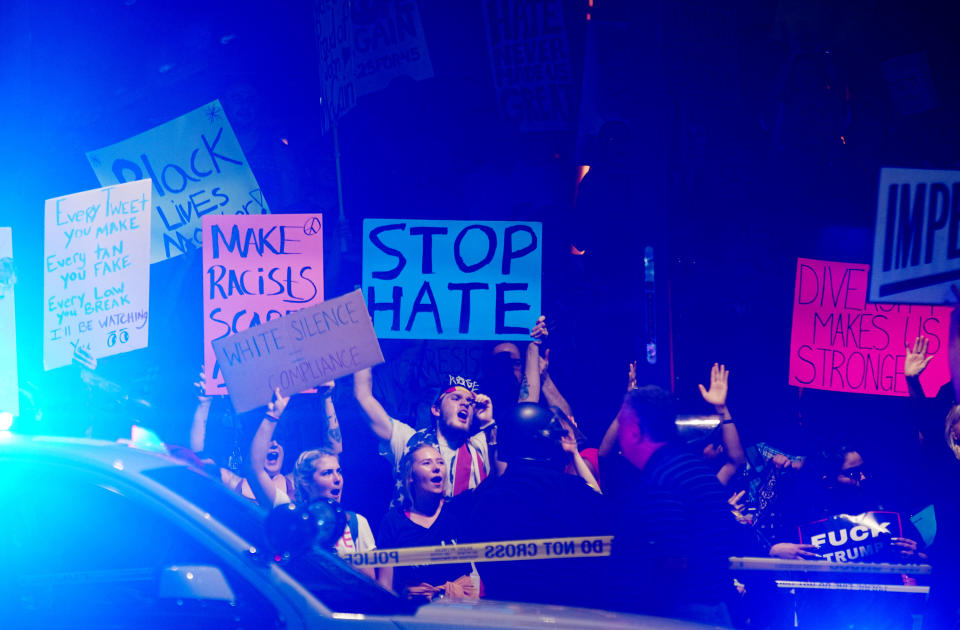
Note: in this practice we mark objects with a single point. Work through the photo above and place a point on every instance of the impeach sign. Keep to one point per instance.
(841, 342)
(452, 279)
(916, 252)
(298, 351)
(256, 269)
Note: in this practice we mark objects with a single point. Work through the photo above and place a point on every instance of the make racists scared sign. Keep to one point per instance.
(452, 279)
(841, 342)
(256, 269)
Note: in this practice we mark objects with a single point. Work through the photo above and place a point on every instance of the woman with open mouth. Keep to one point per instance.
(425, 519)
(317, 476)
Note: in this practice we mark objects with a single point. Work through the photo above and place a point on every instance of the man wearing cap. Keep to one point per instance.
(463, 445)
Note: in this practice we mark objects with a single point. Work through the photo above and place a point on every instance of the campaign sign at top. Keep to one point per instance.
(452, 279)
(916, 250)
(96, 272)
(197, 168)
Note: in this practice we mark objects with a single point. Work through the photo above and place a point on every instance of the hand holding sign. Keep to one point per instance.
(794, 551)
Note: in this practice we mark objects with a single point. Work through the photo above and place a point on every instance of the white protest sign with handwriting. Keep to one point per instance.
(197, 167)
(9, 389)
(96, 272)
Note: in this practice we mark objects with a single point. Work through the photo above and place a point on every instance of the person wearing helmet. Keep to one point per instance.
(534, 498)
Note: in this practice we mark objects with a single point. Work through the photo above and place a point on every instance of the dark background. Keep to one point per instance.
(754, 131)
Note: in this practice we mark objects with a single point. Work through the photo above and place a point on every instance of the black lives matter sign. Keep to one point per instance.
(916, 252)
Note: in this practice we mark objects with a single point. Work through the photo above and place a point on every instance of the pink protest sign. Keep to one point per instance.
(256, 268)
(840, 342)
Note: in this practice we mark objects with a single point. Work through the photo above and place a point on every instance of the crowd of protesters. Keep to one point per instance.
(502, 458)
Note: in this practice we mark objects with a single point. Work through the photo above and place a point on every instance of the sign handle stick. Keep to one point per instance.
(343, 227)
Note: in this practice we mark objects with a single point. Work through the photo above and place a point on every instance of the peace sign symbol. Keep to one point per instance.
(312, 226)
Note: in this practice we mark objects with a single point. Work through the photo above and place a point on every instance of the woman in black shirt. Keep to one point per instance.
(425, 519)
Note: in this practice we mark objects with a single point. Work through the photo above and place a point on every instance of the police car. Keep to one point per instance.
(103, 535)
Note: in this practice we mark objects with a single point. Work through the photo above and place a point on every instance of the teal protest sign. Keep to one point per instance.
(452, 279)
(197, 168)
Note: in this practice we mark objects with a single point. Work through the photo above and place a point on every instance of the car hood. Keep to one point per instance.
(502, 615)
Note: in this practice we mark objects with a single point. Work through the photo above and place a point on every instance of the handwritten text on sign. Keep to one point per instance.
(916, 252)
(96, 272)
(841, 342)
(452, 279)
(256, 269)
(197, 168)
(298, 351)
(9, 389)
(530, 61)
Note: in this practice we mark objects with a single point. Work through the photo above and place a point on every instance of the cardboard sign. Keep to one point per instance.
(452, 279)
(96, 272)
(256, 269)
(197, 168)
(298, 351)
(363, 46)
(854, 538)
(9, 387)
(916, 250)
(530, 62)
(841, 342)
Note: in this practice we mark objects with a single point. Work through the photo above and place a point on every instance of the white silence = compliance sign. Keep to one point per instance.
(298, 351)
(916, 251)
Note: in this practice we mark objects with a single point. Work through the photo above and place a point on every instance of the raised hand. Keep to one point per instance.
(201, 385)
(539, 331)
(277, 406)
(717, 394)
(632, 376)
(483, 410)
(917, 359)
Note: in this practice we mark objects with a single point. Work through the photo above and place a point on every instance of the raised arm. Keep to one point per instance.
(333, 425)
(377, 417)
(609, 442)
(717, 396)
(263, 488)
(530, 386)
(549, 389)
(198, 429)
(914, 363)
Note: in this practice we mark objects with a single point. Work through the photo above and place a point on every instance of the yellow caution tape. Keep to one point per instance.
(823, 566)
(498, 551)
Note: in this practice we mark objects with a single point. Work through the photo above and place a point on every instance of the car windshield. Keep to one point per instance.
(335, 584)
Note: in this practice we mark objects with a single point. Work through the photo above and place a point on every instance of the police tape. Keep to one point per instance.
(497, 551)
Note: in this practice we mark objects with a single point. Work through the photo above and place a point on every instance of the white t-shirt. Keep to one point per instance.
(364, 541)
(477, 445)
